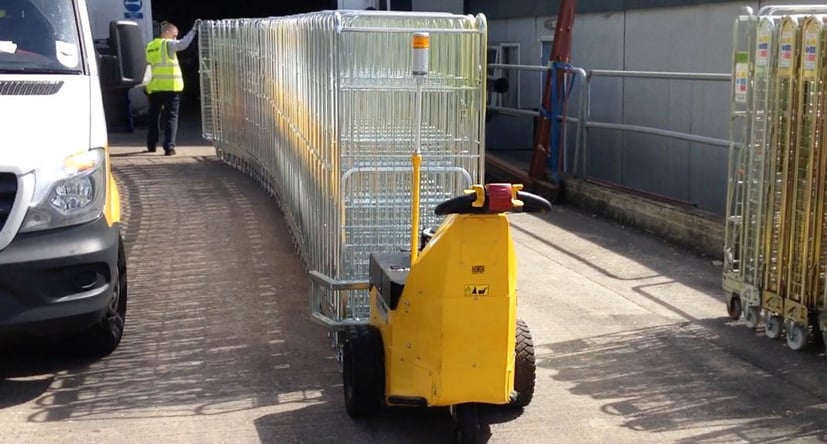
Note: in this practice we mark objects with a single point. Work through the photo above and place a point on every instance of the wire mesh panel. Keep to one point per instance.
(733, 276)
(377, 137)
(751, 113)
(319, 108)
(206, 84)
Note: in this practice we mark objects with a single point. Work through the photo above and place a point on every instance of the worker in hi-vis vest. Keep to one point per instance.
(165, 85)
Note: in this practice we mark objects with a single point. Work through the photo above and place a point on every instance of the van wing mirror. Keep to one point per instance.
(126, 41)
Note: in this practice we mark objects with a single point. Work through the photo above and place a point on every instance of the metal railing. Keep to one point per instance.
(583, 120)
(320, 109)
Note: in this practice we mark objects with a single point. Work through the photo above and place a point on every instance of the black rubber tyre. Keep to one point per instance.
(363, 371)
(525, 368)
(818, 335)
(798, 337)
(773, 325)
(734, 308)
(752, 317)
(466, 424)
(104, 337)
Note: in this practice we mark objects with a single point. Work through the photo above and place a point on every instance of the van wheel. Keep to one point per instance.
(363, 371)
(524, 366)
(103, 338)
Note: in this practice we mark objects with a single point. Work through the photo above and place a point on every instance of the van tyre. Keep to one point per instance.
(525, 368)
(103, 338)
(363, 371)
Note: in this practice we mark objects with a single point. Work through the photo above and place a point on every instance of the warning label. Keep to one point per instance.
(476, 290)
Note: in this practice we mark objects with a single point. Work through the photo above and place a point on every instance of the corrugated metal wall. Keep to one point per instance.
(689, 39)
(454, 6)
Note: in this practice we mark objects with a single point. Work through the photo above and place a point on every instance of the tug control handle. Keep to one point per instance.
(492, 199)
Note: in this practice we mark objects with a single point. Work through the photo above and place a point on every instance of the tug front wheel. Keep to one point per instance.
(363, 371)
(466, 423)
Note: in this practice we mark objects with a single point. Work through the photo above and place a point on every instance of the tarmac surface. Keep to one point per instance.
(632, 340)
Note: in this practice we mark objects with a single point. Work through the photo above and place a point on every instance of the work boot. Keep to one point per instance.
(170, 152)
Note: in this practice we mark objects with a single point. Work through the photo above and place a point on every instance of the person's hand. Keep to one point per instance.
(197, 22)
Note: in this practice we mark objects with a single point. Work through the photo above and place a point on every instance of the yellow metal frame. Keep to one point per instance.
(805, 175)
(776, 239)
(451, 338)
(818, 270)
(416, 186)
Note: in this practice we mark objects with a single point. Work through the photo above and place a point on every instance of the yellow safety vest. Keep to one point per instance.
(166, 72)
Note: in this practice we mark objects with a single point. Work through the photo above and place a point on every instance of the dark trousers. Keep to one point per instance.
(163, 110)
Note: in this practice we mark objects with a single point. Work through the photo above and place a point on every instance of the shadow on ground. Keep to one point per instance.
(189, 131)
(673, 378)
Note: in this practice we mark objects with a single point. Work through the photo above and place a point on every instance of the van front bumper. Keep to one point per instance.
(58, 281)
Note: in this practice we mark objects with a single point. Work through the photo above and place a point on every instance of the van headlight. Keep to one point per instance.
(69, 193)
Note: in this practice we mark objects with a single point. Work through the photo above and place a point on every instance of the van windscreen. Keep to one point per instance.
(38, 36)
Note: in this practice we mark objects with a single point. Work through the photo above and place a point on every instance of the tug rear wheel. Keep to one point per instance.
(363, 371)
(525, 367)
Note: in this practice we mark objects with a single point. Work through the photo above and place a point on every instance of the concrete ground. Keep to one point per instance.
(632, 341)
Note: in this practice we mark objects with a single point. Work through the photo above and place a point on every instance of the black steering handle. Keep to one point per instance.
(533, 203)
(464, 204)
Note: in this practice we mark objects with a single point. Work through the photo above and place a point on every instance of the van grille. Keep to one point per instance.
(8, 191)
(29, 88)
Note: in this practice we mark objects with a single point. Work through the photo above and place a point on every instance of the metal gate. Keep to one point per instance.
(319, 108)
(775, 254)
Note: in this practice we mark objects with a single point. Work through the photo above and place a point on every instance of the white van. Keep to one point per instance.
(62, 260)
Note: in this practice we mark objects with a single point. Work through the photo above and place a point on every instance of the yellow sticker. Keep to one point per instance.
(763, 49)
(476, 290)
(785, 52)
(810, 55)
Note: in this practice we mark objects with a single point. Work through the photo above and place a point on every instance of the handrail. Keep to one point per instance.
(661, 132)
(663, 75)
(584, 123)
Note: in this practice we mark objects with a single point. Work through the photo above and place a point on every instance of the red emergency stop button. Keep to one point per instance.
(499, 197)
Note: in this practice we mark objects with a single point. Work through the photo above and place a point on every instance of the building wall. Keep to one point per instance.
(455, 6)
(695, 37)
(498, 9)
(357, 4)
